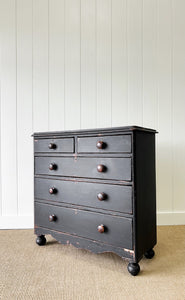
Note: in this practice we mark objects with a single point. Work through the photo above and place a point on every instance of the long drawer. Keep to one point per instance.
(98, 195)
(105, 144)
(117, 230)
(102, 168)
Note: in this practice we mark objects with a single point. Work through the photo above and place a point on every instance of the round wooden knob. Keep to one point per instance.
(52, 190)
(100, 144)
(52, 218)
(101, 228)
(52, 166)
(101, 196)
(52, 146)
(101, 168)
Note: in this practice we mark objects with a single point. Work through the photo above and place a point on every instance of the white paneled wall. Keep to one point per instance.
(69, 64)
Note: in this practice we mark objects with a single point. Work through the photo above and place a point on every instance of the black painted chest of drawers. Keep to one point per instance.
(95, 189)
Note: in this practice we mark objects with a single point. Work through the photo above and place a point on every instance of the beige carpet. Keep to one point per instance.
(54, 271)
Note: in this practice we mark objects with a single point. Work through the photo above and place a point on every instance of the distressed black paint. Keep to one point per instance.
(128, 212)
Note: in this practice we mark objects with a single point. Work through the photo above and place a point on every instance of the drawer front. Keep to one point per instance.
(109, 168)
(105, 144)
(98, 195)
(62, 145)
(118, 230)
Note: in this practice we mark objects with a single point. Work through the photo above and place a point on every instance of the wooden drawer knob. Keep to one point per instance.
(100, 144)
(52, 190)
(52, 146)
(52, 166)
(101, 196)
(52, 218)
(101, 228)
(100, 168)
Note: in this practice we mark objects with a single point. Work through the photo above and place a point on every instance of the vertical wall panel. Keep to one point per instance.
(164, 80)
(56, 64)
(8, 108)
(0, 142)
(88, 64)
(24, 107)
(135, 61)
(119, 63)
(104, 90)
(40, 65)
(72, 64)
(149, 64)
(178, 25)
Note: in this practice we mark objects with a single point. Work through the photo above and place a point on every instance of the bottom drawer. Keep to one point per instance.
(117, 230)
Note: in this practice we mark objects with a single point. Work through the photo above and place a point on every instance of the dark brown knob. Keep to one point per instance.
(52, 166)
(52, 146)
(101, 228)
(101, 196)
(101, 168)
(52, 218)
(100, 145)
(52, 190)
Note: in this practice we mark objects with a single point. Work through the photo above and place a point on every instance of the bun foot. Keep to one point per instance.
(133, 268)
(41, 240)
(149, 254)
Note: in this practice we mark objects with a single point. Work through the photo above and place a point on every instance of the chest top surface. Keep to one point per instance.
(112, 130)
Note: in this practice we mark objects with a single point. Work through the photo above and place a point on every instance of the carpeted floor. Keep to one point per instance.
(54, 271)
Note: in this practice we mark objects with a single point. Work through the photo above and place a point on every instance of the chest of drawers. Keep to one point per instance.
(95, 189)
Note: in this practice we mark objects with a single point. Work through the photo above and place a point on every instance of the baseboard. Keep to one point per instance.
(26, 222)
(171, 218)
(16, 222)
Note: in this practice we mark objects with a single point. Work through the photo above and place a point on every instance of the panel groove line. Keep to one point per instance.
(17, 195)
(171, 104)
(0, 154)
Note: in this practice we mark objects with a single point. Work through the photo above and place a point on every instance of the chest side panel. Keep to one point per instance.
(145, 192)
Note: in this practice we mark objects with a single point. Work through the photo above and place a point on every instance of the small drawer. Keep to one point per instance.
(105, 144)
(108, 229)
(101, 168)
(62, 145)
(98, 195)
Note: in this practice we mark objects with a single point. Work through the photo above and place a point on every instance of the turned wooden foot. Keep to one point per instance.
(41, 240)
(149, 254)
(133, 268)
